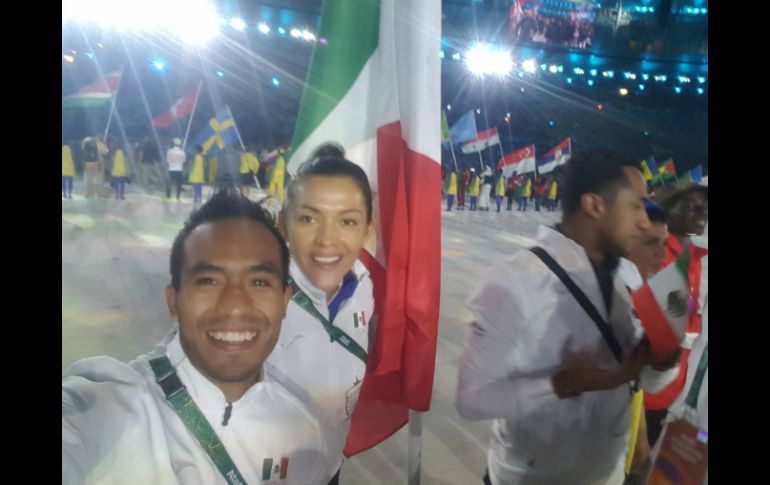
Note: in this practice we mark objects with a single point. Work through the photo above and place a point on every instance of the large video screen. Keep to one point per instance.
(565, 22)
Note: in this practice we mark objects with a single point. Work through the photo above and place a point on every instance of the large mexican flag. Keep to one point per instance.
(99, 93)
(374, 86)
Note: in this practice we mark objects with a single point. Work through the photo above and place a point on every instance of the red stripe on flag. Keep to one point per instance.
(483, 135)
(400, 366)
(284, 467)
(656, 326)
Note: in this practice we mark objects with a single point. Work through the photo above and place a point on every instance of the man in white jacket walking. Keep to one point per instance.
(555, 380)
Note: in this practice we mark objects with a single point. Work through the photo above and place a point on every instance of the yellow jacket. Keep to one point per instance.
(119, 168)
(527, 189)
(249, 163)
(475, 186)
(196, 173)
(279, 170)
(452, 189)
(500, 189)
(553, 191)
(213, 170)
(67, 164)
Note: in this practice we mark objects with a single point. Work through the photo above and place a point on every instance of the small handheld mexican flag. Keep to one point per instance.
(663, 305)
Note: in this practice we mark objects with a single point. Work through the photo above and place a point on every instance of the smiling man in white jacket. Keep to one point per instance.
(537, 363)
(200, 409)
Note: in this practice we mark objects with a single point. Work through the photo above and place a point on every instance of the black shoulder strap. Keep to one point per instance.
(582, 299)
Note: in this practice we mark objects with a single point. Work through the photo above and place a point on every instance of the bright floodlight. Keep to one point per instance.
(529, 66)
(238, 24)
(623, 91)
(281, 30)
(158, 64)
(295, 33)
(264, 28)
(68, 58)
(552, 68)
(449, 107)
(485, 60)
(198, 24)
(308, 36)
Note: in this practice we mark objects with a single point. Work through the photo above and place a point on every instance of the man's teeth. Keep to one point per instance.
(234, 337)
(326, 260)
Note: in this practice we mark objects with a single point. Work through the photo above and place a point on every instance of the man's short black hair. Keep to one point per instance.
(595, 172)
(331, 165)
(225, 204)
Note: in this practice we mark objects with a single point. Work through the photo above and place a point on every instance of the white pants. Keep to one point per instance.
(486, 189)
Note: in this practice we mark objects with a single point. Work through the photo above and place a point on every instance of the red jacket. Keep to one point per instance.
(666, 397)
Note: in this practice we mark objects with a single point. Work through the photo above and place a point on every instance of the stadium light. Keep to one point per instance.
(483, 59)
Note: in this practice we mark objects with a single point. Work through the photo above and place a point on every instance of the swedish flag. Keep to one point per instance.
(219, 132)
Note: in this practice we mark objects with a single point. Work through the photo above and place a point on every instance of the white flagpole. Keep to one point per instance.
(415, 447)
(452, 147)
(189, 123)
(112, 108)
(502, 154)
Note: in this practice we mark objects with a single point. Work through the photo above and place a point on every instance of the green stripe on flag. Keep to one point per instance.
(352, 30)
(683, 265)
(267, 468)
(444, 128)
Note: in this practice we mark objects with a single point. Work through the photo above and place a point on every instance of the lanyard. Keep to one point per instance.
(335, 333)
(192, 417)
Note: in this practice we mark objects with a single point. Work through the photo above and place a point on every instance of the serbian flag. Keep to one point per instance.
(483, 139)
(520, 161)
(375, 88)
(180, 110)
(98, 93)
(556, 156)
(663, 305)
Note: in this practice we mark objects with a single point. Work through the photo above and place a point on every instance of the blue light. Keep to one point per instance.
(700, 90)
(579, 71)
(551, 122)
(652, 9)
(704, 10)
(677, 90)
(701, 79)
(646, 133)
(281, 31)
(569, 80)
(641, 87)
(220, 74)
(441, 54)
(590, 82)
(456, 56)
(644, 9)
(645, 76)
(593, 72)
(276, 82)
(158, 64)
(521, 74)
(90, 55)
(543, 66)
(561, 68)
